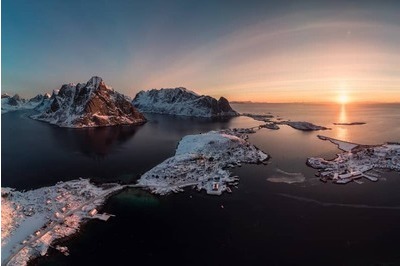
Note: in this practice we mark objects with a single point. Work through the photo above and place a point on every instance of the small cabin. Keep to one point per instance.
(215, 186)
(93, 212)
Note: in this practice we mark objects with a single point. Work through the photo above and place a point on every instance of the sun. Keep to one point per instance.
(343, 98)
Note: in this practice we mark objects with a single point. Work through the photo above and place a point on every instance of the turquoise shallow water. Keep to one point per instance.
(260, 223)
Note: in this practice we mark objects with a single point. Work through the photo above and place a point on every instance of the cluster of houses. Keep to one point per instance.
(357, 163)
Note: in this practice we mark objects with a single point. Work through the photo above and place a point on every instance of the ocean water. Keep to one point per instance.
(36, 154)
(260, 223)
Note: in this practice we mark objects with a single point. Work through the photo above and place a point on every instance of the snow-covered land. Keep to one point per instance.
(91, 104)
(343, 145)
(259, 117)
(356, 161)
(32, 220)
(180, 101)
(301, 125)
(202, 161)
(15, 102)
(271, 123)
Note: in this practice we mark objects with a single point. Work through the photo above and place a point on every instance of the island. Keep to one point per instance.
(349, 123)
(356, 161)
(91, 104)
(182, 102)
(259, 117)
(301, 125)
(270, 125)
(203, 161)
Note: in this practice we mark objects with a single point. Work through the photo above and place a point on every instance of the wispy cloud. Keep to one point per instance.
(287, 58)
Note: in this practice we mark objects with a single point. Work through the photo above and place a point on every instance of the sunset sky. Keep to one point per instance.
(273, 51)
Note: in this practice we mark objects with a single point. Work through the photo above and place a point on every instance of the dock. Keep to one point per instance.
(370, 178)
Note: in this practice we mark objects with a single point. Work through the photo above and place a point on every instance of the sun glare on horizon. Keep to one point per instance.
(343, 98)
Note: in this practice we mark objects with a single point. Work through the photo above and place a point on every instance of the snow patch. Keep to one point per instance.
(281, 176)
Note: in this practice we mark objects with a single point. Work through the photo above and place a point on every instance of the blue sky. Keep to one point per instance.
(245, 50)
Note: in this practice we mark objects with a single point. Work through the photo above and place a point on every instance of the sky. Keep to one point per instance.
(261, 51)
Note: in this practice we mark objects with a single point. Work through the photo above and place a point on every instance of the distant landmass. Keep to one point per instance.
(241, 102)
(349, 123)
(180, 101)
(91, 104)
(15, 102)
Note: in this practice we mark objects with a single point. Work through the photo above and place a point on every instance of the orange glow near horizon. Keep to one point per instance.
(282, 62)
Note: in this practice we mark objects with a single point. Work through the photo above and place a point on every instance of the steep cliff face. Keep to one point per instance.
(180, 101)
(91, 104)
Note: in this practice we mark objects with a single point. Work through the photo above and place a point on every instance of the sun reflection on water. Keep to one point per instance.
(343, 114)
(341, 131)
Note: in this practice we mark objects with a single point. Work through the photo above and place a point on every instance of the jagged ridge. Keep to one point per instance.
(180, 101)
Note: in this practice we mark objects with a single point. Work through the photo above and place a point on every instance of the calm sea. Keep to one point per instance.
(260, 223)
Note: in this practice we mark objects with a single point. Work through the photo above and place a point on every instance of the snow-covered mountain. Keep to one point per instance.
(15, 102)
(91, 104)
(180, 101)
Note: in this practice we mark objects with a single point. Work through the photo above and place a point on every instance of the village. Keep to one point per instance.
(32, 220)
(357, 161)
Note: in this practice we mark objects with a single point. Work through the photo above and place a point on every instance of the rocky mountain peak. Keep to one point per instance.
(95, 82)
(89, 104)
